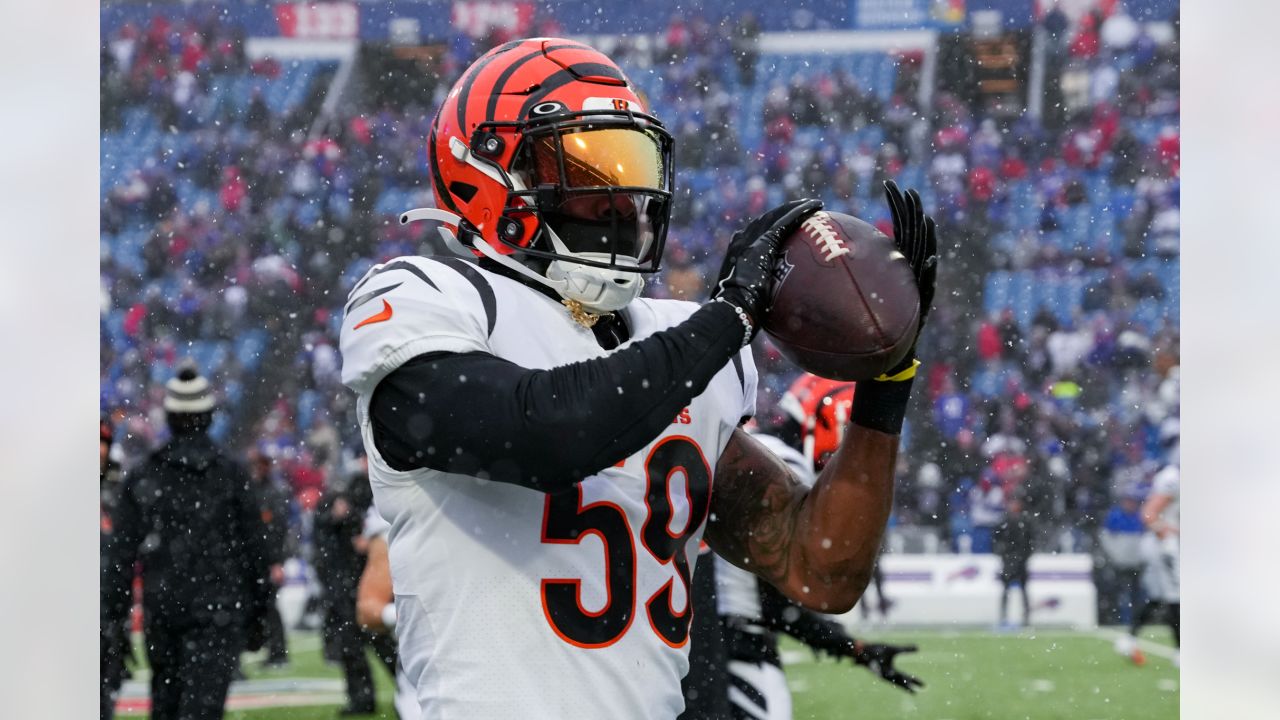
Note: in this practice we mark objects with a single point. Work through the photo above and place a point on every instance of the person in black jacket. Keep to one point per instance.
(116, 643)
(1014, 543)
(273, 506)
(339, 522)
(189, 517)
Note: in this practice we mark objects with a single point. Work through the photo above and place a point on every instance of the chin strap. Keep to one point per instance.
(451, 241)
(454, 244)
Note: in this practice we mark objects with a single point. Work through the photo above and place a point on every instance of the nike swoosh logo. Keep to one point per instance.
(380, 317)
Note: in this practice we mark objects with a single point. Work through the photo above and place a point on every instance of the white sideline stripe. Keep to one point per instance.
(139, 688)
(1157, 649)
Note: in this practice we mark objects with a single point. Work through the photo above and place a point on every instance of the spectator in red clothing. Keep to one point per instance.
(359, 130)
(234, 190)
(134, 318)
(677, 38)
(1013, 167)
(988, 340)
(1086, 42)
(304, 475)
(1169, 149)
(192, 53)
(982, 184)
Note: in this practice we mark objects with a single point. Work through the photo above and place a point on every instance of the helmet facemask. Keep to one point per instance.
(599, 184)
(588, 202)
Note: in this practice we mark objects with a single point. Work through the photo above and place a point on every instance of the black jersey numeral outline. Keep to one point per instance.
(676, 454)
(566, 520)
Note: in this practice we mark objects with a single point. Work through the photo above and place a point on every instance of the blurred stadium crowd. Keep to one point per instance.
(233, 223)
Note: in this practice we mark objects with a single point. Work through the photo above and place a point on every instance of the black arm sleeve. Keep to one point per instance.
(476, 414)
(780, 614)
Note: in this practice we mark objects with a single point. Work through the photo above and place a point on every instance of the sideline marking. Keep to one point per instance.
(249, 694)
(1147, 646)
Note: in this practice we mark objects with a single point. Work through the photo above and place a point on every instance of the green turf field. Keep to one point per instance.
(1048, 675)
(1037, 675)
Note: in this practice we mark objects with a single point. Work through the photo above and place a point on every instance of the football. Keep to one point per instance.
(845, 304)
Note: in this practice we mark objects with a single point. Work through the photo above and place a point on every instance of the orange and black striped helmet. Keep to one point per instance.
(544, 148)
(822, 408)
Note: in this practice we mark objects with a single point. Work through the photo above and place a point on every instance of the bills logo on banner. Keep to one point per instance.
(318, 21)
(478, 19)
(968, 572)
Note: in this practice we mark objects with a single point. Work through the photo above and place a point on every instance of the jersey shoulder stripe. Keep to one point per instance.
(394, 265)
(426, 306)
(372, 294)
(487, 297)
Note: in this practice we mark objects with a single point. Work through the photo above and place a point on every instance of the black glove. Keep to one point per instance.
(915, 236)
(879, 659)
(747, 272)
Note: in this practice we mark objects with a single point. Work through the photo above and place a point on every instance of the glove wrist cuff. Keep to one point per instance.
(882, 406)
(903, 371)
(748, 328)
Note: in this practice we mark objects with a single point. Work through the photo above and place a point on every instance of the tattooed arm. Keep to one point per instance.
(819, 545)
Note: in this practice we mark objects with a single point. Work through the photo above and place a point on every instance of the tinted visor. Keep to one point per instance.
(597, 158)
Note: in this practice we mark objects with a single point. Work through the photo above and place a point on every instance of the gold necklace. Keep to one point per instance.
(580, 314)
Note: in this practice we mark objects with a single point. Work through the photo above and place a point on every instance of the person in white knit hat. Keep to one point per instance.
(189, 515)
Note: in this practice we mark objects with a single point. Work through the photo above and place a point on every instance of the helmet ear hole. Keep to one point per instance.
(465, 191)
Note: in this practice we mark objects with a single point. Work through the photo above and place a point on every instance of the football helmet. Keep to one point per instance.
(821, 407)
(545, 160)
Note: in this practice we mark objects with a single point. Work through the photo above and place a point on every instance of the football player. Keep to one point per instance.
(1161, 549)
(544, 441)
(753, 612)
(376, 609)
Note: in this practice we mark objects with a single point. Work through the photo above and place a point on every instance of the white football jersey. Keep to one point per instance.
(512, 603)
(406, 697)
(374, 525)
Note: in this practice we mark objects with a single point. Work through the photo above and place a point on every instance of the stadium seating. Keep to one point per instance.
(1043, 255)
